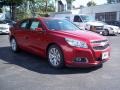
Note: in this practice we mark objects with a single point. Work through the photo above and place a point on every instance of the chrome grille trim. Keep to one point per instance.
(98, 27)
(99, 41)
(100, 45)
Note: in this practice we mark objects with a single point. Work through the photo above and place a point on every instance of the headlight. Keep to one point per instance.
(76, 43)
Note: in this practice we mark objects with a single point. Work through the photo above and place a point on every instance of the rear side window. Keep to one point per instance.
(77, 19)
(24, 24)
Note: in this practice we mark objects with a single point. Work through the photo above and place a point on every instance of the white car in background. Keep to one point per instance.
(110, 29)
(86, 22)
(4, 28)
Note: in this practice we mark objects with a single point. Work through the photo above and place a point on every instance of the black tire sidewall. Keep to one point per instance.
(106, 33)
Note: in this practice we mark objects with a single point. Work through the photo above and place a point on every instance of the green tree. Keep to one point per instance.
(12, 4)
(91, 3)
(28, 7)
(34, 8)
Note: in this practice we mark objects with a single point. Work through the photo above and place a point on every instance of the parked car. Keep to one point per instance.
(110, 29)
(4, 28)
(83, 21)
(60, 41)
(115, 23)
(9, 22)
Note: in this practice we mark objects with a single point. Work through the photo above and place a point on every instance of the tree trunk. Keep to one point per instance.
(46, 5)
(10, 12)
(13, 12)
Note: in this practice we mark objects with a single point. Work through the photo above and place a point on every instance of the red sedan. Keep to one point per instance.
(63, 43)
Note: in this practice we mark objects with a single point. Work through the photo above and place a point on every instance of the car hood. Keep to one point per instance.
(81, 35)
(112, 26)
(95, 23)
(4, 25)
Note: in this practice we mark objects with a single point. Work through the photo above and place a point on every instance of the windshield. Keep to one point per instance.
(55, 24)
(86, 18)
(2, 22)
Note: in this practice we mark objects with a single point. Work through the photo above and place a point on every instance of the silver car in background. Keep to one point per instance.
(4, 28)
(110, 29)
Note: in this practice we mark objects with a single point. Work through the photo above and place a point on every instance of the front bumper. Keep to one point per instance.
(4, 32)
(100, 31)
(94, 57)
(113, 32)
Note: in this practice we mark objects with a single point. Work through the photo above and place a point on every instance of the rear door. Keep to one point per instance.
(21, 33)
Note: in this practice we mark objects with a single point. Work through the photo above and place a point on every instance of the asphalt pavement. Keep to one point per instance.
(24, 71)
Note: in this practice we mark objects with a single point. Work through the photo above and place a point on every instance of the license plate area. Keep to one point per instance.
(105, 55)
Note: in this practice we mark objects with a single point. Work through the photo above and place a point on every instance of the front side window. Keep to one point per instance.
(55, 24)
(34, 25)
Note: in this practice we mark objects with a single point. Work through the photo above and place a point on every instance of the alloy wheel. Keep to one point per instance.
(13, 45)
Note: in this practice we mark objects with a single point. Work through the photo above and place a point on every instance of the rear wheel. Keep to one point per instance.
(55, 57)
(14, 45)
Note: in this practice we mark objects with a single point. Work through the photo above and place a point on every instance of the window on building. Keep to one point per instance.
(106, 16)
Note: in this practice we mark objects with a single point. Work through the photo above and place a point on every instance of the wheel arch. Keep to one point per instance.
(53, 43)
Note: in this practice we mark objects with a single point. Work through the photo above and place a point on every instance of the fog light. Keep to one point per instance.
(82, 60)
(101, 33)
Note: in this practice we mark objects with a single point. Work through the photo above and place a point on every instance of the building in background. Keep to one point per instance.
(113, 1)
(106, 12)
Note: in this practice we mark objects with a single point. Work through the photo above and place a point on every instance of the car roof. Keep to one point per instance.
(43, 18)
(49, 18)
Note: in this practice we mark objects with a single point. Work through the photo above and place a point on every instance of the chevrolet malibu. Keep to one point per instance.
(63, 43)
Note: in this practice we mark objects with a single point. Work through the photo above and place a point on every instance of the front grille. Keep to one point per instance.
(2, 28)
(101, 47)
(100, 41)
(99, 27)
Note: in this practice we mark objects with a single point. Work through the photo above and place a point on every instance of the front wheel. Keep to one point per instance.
(105, 32)
(55, 57)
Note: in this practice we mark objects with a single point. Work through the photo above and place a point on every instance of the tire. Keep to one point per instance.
(55, 57)
(106, 33)
(14, 45)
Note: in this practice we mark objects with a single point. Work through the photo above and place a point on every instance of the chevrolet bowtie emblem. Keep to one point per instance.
(103, 43)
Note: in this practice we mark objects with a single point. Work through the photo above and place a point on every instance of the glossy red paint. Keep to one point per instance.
(37, 42)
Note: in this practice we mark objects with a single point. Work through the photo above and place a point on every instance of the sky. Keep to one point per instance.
(77, 3)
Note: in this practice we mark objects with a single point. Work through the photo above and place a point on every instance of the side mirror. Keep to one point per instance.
(39, 29)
